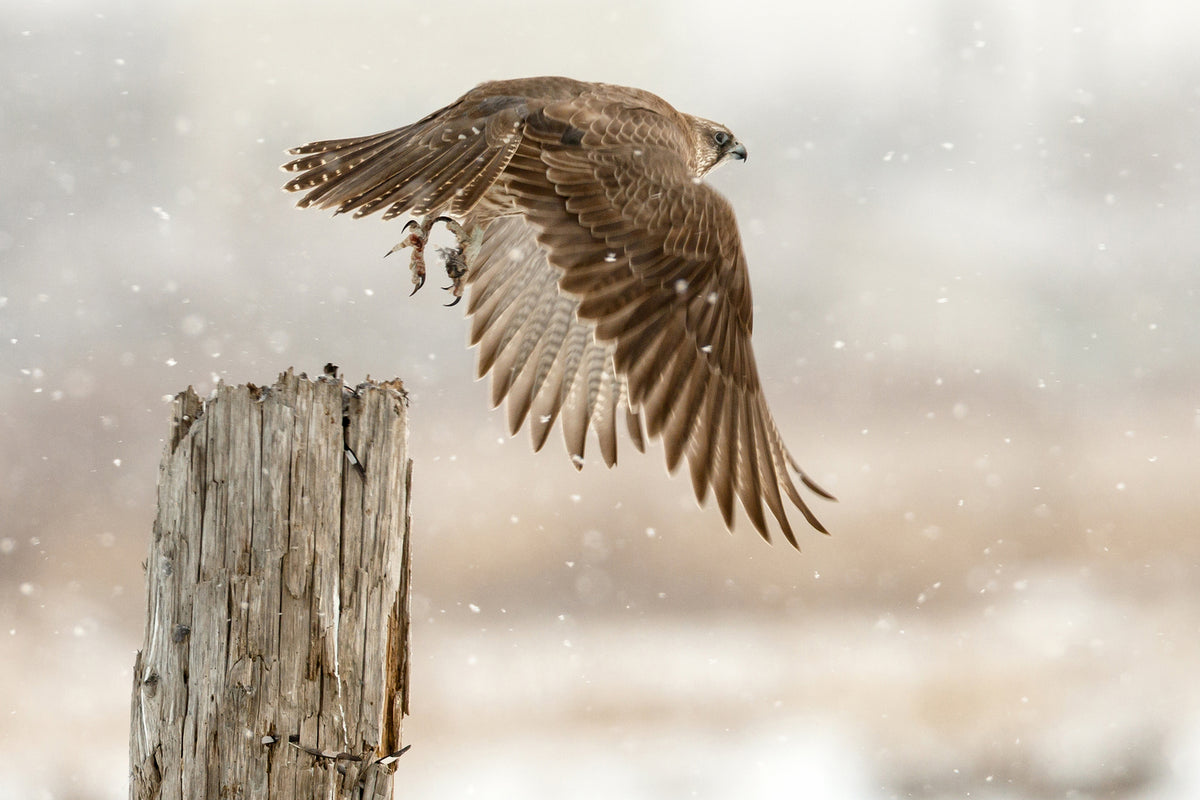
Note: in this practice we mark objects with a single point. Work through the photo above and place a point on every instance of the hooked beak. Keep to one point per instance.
(738, 151)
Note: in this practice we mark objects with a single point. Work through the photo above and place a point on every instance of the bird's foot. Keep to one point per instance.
(457, 259)
(416, 234)
(456, 271)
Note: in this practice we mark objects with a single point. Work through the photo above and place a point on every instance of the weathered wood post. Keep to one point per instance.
(275, 662)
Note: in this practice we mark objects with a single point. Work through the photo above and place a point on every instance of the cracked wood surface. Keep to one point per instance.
(275, 660)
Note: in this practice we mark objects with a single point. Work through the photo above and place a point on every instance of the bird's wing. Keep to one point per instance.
(444, 162)
(542, 357)
(655, 258)
(448, 161)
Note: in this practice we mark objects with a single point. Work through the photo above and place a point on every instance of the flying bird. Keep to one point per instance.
(603, 274)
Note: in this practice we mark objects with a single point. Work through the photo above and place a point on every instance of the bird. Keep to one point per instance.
(604, 276)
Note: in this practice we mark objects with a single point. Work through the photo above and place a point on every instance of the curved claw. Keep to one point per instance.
(453, 302)
(440, 219)
(420, 283)
(406, 241)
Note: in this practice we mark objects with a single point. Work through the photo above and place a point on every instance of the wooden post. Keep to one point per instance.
(275, 663)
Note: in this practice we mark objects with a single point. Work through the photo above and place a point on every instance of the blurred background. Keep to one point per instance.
(974, 235)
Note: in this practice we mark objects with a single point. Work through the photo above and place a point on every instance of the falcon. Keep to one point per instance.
(603, 275)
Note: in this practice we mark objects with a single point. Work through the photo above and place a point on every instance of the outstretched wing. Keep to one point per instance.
(656, 259)
(445, 162)
(448, 161)
(542, 357)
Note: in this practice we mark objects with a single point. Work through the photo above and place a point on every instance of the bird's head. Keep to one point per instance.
(714, 144)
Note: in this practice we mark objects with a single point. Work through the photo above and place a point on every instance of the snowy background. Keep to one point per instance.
(974, 234)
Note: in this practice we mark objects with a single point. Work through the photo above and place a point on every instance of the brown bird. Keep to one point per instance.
(603, 272)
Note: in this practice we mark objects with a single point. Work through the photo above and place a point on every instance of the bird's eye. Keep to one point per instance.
(721, 138)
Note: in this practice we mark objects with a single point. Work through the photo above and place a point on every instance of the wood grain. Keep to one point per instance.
(275, 660)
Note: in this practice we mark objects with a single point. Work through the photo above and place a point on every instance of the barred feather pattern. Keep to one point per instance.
(540, 355)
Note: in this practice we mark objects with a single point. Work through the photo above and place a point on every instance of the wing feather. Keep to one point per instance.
(445, 162)
(658, 279)
(542, 357)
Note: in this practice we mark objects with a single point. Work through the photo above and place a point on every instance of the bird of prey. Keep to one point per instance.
(604, 274)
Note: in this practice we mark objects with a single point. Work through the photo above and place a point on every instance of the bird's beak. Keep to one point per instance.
(738, 151)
